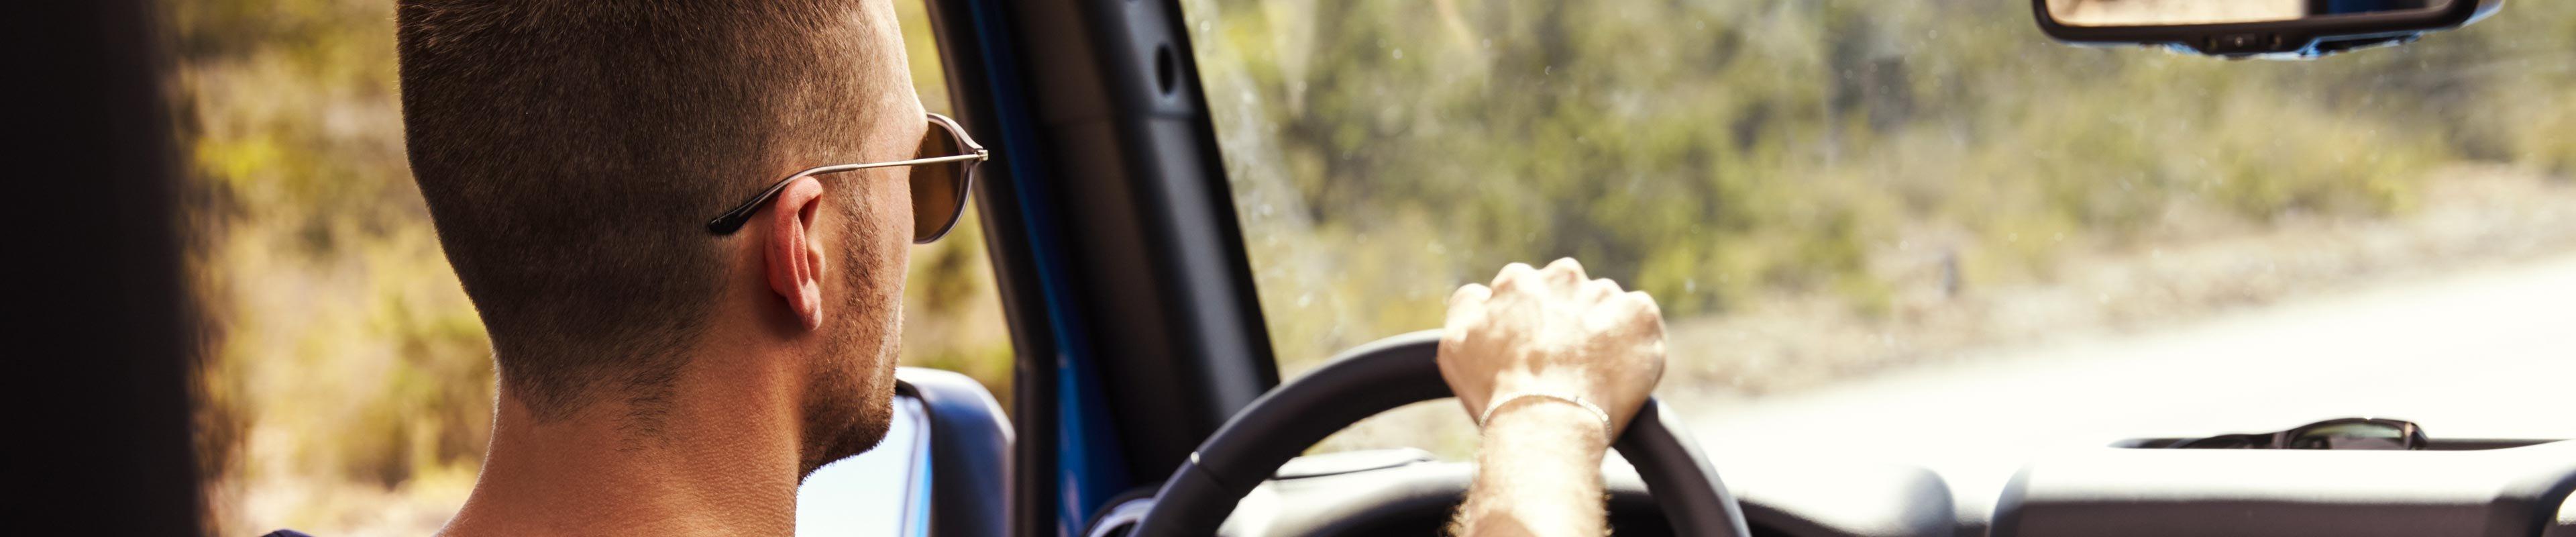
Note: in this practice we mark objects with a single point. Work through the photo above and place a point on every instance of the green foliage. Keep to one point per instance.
(1716, 151)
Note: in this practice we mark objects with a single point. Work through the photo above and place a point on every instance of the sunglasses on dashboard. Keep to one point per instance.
(941, 174)
(2347, 433)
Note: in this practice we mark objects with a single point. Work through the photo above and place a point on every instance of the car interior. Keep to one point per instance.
(1149, 401)
(1152, 406)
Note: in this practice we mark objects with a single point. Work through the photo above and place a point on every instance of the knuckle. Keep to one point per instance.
(1458, 322)
(1470, 293)
(1512, 275)
(1601, 289)
(1644, 305)
(1566, 268)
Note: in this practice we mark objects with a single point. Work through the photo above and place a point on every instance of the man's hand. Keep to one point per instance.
(1558, 333)
(1552, 331)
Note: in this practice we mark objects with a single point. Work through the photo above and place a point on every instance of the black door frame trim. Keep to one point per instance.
(1114, 238)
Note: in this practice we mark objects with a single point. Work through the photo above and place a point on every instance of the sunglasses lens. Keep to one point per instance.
(938, 190)
(2230, 441)
(2353, 435)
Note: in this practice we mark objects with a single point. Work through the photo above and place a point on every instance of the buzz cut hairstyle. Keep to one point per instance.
(570, 152)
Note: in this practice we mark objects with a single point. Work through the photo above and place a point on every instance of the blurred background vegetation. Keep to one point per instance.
(1817, 190)
(347, 388)
(1729, 156)
(1720, 152)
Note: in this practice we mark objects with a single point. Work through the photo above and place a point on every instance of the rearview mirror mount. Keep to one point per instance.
(2281, 29)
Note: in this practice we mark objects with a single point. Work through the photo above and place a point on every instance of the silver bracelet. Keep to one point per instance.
(1497, 404)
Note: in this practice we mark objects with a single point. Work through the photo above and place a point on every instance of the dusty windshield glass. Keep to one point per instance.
(1880, 223)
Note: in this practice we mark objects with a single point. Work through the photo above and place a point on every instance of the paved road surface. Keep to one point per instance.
(2487, 354)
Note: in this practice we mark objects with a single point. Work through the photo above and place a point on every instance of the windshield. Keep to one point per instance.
(1876, 224)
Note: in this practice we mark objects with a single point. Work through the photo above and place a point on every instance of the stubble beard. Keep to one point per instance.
(849, 404)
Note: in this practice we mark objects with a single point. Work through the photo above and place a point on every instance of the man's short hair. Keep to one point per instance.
(571, 151)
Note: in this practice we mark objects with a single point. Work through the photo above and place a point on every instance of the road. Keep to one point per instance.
(2481, 354)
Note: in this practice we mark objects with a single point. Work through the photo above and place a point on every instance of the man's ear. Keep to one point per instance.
(793, 256)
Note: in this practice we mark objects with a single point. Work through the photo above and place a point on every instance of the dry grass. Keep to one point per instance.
(2198, 266)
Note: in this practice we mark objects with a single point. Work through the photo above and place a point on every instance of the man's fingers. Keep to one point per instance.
(1465, 307)
(1565, 270)
(1648, 301)
(1512, 274)
(1463, 381)
(1644, 310)
(1468, 376)
(1601, 290)
(1470, 293)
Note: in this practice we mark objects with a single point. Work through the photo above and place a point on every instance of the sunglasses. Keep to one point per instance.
(2347, 433)
(939, 182)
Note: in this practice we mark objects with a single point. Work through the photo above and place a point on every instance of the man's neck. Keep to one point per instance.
(707, 468)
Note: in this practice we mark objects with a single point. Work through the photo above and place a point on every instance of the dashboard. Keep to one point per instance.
(2455, 487)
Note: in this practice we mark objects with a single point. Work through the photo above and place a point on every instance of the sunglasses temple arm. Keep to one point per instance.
(733, 220)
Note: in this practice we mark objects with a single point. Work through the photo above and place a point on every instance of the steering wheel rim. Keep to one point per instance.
(1380, 376)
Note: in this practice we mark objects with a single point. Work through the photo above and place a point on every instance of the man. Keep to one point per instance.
(656, 377)
(681, 336)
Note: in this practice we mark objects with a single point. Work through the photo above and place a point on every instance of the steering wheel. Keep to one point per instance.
(1380, 376)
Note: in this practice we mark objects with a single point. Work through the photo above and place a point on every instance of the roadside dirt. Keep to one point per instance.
(2192, 267)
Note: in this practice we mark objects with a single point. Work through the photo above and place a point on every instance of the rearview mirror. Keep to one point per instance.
(2255, 28)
